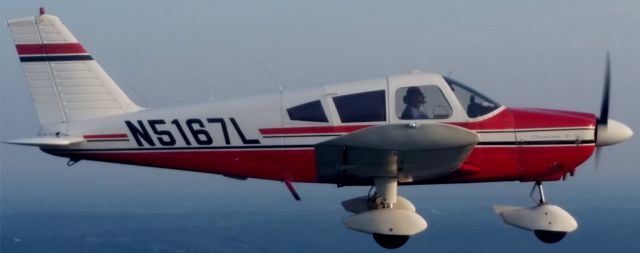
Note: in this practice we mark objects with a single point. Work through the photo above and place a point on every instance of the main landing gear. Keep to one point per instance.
(390, 218)
(549, 223)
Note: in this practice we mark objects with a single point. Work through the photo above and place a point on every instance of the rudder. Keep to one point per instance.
(65, 82)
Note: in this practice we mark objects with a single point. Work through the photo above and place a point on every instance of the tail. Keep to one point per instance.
(66, 84)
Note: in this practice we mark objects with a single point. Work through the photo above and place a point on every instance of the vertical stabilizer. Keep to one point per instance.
(65, 82)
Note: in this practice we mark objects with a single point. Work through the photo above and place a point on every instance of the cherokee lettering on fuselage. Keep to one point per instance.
(191, 132)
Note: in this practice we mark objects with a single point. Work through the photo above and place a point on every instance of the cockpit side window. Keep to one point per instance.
(421, 102)
(311, 111)
(474, 103)
(367, 106)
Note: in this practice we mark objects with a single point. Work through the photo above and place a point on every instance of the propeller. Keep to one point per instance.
(604, 106)
(608, 132)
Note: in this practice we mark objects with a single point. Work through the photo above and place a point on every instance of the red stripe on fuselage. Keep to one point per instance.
(526, 118)
(297, 164)
(48, 49)
(552, 163)
(501, 121)
(312, 130)
(507, 119)
(489, 163)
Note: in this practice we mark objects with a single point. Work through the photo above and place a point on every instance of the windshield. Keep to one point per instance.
(473, 102)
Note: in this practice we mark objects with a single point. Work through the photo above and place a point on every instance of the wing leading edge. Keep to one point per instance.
(416, 152)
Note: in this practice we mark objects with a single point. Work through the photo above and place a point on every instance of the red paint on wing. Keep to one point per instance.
(47, 49)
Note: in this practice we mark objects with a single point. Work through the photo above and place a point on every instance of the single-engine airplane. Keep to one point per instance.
(410, 129)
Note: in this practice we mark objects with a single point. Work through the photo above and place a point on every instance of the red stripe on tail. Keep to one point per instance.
(60, 48)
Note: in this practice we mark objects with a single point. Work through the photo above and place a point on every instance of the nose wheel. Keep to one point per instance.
(549, 223)
(545, 236)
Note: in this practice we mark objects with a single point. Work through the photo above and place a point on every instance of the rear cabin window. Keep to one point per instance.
(362, 107)
(311, 111)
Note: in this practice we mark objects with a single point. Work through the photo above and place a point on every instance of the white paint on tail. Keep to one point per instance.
(66, 84)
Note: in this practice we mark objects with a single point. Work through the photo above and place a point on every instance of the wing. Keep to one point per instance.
(407, 152)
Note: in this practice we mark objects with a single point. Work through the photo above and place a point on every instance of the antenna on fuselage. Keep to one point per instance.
(271, 74)
(200, 82)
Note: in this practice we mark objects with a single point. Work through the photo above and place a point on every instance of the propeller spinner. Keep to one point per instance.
(608, 131)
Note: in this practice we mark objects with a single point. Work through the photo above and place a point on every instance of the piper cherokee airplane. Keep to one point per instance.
(411, 129)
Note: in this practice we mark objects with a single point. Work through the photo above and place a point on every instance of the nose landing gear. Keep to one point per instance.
(549, 223)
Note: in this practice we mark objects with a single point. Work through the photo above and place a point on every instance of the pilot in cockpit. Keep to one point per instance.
(414, 99)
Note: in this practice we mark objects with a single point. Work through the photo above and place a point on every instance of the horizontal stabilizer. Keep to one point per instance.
(47, 141)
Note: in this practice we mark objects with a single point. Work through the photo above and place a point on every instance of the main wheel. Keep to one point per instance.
(391, 241)
(549, 236)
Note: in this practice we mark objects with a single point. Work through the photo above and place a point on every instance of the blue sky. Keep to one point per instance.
(163, 53)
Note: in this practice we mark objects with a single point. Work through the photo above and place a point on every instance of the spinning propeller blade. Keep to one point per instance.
(604, 107)
(608, 132)
(597, 159)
